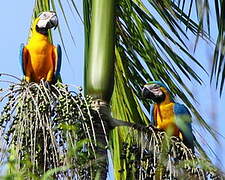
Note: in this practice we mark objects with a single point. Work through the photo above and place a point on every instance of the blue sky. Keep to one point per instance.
(15, 24)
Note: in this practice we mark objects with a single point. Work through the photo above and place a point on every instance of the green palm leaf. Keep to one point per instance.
(148, 49)
(218, 68)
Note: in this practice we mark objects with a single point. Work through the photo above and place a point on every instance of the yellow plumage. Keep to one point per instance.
(164, 115)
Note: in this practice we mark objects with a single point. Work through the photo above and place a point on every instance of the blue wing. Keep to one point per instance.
(21, 56)
(58, 61)
(153, 122)
(183, 122)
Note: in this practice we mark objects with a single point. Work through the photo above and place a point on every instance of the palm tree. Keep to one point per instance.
(127, 43)
(137, 42)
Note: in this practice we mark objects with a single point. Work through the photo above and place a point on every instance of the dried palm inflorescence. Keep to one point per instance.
(153, 154)
(44, 127)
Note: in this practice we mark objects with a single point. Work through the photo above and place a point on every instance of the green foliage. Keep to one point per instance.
(218, 68)
(152, 48)
(142, 54)
(125, 106)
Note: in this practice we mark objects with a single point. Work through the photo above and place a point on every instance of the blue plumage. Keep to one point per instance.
(180, 109)
(21, 58)
(59, 62)
(152, 115)
(183, 121)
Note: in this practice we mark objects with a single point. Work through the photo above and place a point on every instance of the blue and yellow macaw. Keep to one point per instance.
(168, 115)
(40, 59)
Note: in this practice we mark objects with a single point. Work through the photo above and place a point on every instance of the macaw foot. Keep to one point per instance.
(24, 80)
(27, 79)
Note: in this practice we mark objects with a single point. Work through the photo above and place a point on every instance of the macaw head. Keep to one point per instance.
(44, 21)
(156, 91)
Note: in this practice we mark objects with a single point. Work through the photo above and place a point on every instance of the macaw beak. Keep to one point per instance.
(53, 22)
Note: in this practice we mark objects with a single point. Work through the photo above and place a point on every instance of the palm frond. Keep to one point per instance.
(148, 48)
(151, 48)
(125, 106)
(87, 23)
(218, 68)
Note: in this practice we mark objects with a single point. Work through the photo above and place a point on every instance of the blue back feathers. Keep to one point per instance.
(59, 61)
(180, 109)
(21, 58)
(153, 122)
(183, 122)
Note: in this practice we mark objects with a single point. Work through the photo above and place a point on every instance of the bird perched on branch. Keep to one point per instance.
(167, 115)
(40, 59)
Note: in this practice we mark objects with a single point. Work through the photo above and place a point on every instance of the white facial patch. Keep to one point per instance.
(157, 91)
(42, 23)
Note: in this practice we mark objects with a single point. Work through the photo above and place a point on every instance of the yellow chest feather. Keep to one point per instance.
(40, 57)
(165, 119)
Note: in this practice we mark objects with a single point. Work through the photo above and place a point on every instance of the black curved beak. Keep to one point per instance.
(53, 22)
(146, 93)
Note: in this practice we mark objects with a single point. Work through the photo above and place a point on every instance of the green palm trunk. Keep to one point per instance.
(99, 71)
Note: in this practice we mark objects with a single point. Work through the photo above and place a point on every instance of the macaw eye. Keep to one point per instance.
(44, 15)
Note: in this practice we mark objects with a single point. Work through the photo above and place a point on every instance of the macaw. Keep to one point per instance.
(168, 115)
(40, 59)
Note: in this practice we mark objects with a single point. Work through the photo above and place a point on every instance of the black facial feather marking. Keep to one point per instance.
(43, 31)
